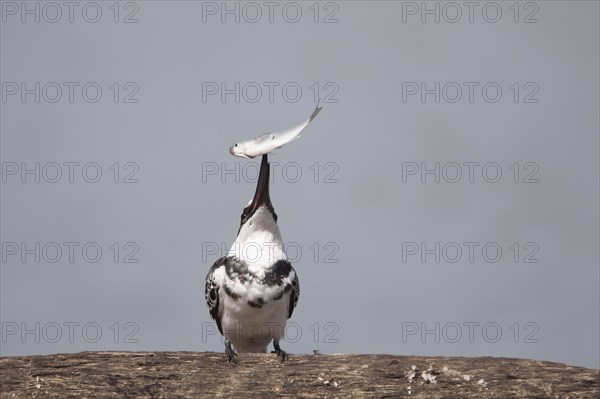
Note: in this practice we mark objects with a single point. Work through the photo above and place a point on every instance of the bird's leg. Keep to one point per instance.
(280, 352)
(230, 352)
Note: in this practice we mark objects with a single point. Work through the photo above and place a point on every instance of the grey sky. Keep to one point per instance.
(349, 194)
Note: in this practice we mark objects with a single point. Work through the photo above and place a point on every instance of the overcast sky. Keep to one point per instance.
(444, 202)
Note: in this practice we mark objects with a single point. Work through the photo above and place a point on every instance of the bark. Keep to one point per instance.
(208, 375)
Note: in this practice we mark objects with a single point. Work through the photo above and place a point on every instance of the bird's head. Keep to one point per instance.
(259, 213)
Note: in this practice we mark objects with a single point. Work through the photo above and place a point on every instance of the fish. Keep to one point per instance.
(268, 142)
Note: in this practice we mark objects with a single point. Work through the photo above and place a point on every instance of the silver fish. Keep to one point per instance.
(268, 142)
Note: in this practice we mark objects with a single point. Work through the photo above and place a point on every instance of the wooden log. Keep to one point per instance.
(208, 375)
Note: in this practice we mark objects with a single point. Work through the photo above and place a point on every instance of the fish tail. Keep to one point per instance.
(315, 112)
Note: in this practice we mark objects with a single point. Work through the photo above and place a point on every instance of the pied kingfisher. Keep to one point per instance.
(253, 290)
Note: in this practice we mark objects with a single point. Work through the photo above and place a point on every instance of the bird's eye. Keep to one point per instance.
(236, 144)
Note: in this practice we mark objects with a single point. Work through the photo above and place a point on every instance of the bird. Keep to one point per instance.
(253, 290)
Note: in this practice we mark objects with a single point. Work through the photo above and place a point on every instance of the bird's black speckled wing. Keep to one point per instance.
(211, 293)
(295, 294)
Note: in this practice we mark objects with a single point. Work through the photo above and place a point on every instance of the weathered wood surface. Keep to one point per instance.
(208, 375)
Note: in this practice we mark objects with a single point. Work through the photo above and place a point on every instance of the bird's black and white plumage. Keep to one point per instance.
(253, 290)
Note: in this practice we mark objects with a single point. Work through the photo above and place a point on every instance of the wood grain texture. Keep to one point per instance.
(208, 375)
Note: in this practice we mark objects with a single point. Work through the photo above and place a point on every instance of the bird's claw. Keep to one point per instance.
(231, 353)
(281, 353)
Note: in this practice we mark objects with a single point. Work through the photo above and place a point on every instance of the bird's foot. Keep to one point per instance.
(230, 352)
(280, 352)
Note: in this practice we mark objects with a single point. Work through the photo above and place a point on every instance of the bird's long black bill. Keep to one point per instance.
(261, 196)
